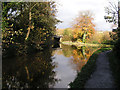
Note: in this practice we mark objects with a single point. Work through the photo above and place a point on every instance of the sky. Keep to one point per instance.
(69, 10)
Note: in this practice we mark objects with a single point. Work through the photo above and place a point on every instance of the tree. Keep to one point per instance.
(83, 26)
(114, 11)
(28, 25)
(113, 15)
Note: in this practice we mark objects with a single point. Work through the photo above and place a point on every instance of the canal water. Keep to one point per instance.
(53, 68)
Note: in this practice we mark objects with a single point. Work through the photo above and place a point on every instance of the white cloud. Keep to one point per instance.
(69, 9)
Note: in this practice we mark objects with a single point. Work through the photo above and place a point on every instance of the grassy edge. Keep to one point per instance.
(85, 44)
(115, 67)
(87, 70)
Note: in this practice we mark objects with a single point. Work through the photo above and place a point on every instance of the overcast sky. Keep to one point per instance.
(69, 9)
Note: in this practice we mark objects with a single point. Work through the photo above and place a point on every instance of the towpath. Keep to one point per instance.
(102, 76)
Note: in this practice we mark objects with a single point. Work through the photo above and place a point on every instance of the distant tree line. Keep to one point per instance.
(82, 28)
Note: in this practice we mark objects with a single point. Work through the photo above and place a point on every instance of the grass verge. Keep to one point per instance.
(87, 70)
(115, 67)
(86, 44)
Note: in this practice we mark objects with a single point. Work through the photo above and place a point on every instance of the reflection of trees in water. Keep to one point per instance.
(58, 52)
(29, 71)
(80, 55)
(67, 50)
(79, 58)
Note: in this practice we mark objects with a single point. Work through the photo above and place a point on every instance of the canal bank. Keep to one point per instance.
(85, 74)
(85, 44)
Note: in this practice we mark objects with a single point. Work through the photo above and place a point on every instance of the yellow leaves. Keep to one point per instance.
(11, 25)
(85, 28)
(28, 28)
(99, 40)
(79, 40)
(83, 24)
(32, 27)
(89, 25)
(43, 28)
(74, 51)
(75, 36)
(53, 14)
(75, 33)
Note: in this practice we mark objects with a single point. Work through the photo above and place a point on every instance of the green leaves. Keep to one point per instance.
(16, 22)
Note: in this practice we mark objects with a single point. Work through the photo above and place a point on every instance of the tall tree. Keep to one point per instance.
(30, 23)
(113, 14)
(114, 11)
(83, 26)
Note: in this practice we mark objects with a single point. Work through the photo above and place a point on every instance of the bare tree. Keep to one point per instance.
(113, 13)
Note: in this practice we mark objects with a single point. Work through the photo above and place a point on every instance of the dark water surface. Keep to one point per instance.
(52, 68)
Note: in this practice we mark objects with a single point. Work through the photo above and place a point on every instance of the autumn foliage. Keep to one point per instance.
(83, 26)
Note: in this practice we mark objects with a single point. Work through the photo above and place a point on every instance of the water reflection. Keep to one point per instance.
(63, 69)
(35, 71)
(80, 56)
(70, 60)
(53, 68)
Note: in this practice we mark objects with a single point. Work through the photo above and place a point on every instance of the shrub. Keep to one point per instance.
(116, 48)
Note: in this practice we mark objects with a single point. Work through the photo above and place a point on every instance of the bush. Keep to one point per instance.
(111, 42)
(116, 48)
(115, 67)
(95, 42)
(66, 38)
(99, 37)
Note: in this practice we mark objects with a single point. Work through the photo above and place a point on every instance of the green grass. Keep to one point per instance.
(87, 70)
(86, 44)
(115, 67)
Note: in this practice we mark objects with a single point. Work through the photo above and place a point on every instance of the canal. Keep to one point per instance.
(52, 68)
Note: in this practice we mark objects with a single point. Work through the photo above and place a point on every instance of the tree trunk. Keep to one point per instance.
(84, 37)
(30, 17)
(27, 72)
(83, 51)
